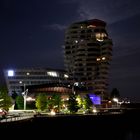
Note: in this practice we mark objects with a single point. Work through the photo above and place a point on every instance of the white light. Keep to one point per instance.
(27, 73)
(10, 73)
(1, 100)
(91, 26)
(100, 39)
(66, 76)
(30, 99)
(52, 112)
(115, 100)
(52, 73)
(98, 59)
(94, 110)
(76, 41)
(76, 83)
(103, 58)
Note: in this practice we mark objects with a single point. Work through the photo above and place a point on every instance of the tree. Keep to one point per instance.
(80, 101)
(20, 102)
(56, 102)
(14, 96)
(41, 101)
(87, 103)
(5, 99)
(72, 103)
(114, 93)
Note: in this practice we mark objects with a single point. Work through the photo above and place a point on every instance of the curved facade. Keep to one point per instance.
(87, 54)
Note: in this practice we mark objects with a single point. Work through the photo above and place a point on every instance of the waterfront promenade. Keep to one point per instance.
(112, 126)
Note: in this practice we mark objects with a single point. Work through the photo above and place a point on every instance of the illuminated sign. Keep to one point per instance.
(96, 99)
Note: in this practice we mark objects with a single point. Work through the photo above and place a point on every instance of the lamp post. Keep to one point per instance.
(116, 100)
(25, 97)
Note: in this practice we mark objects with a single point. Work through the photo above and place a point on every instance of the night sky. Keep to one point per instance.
(32, 35)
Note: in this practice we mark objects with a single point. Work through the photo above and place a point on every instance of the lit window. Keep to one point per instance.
(10, 73)
(100, 36)
(27, 73)
(52, 73)
(98, 59)
(103, 58)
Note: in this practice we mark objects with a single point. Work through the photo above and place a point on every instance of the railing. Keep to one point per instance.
(10, 118)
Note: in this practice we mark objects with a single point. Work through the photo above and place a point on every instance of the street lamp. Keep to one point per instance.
(116, 100)
(25, 97)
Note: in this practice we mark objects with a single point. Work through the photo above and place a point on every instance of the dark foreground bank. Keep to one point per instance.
(112, 127)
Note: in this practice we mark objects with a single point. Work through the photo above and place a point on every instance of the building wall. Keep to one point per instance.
(87, 54)
(18, 78)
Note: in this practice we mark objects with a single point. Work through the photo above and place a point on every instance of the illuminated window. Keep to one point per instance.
(103, 58)
(98, 59)
(10, 73)
(100, 36)
(52, 73)
(27, 73)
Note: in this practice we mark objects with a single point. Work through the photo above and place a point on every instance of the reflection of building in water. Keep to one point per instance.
(87, 53)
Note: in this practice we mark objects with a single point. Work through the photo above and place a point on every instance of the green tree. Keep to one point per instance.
(56, 101)
(41, 101)
(80, 101)
(72, 103)
(5, 99)
(20, 102)
(87, 103)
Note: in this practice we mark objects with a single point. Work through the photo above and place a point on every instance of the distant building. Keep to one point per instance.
(17, 79)
(87, 55)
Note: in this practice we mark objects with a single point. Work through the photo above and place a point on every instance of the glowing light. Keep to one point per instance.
(95, 99)
(10, 73)
(76, 41)
(30, 99)
(27, 73)
(76, 83)
(1, 100)
(66, 76)
(98, 59)
(52, 73)
(52, 112)
(91, 26)
(100, 39)
(103, 58)
(94, 110)
(115, 100)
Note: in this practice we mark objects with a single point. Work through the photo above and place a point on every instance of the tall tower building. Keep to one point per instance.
(87, 55)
